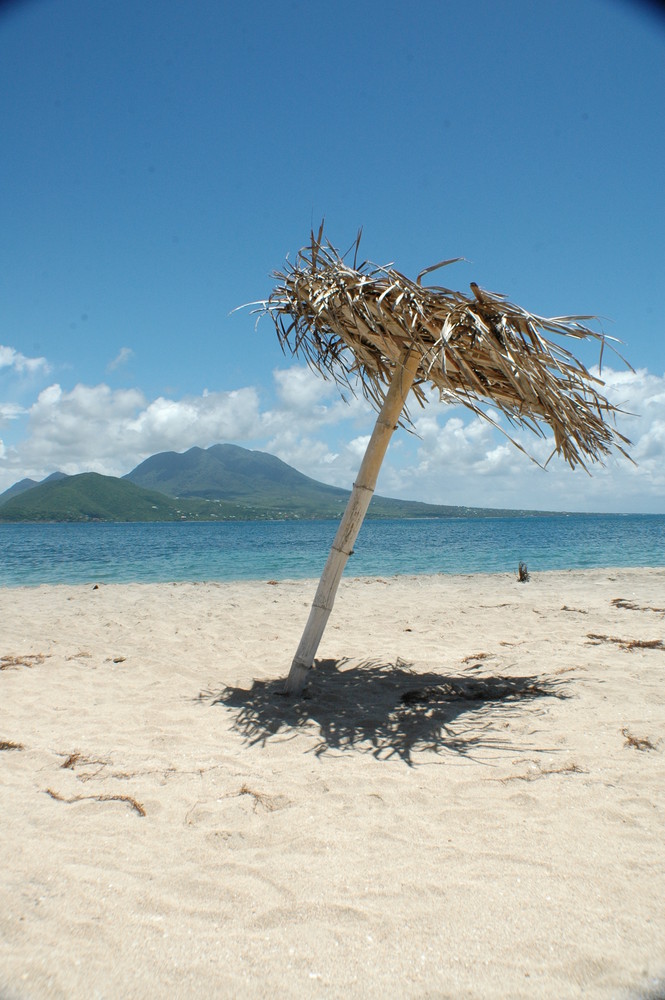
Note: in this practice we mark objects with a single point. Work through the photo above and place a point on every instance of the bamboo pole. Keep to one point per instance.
(342, 546)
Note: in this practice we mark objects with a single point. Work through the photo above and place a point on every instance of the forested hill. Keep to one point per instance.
(224, 482)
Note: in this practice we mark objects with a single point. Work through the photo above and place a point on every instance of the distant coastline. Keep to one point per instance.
(219, 484)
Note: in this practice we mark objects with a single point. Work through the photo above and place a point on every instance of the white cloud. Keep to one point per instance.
(300, 391)
(175, 425)
(121, 358)
(17, 362)
(99, 429)
(309, 411)
(455, 457)
(9, 411)
(311, 456)
(304, 396)
(462, 460)
(358, 446)
(84, 429)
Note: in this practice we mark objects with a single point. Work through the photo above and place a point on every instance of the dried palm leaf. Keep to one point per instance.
(353, 324)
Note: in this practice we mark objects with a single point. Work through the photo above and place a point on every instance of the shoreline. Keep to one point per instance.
(501, 514)
(470, 802)
(312, 581)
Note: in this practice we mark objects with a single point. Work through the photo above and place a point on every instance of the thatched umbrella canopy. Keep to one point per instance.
(371, 327)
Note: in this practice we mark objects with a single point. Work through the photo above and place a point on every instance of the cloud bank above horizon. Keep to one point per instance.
(453, 457)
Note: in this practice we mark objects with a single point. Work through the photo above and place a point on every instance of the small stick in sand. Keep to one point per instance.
(99, 798)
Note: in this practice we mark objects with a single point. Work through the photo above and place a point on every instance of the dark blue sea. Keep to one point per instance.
(33, 554)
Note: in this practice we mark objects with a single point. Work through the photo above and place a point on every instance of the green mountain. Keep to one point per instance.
(27, 484)
(91, 497)
(266, 486)
(252, 478)
(223, 482)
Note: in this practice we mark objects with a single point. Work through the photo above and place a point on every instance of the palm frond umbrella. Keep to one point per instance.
(371, 327)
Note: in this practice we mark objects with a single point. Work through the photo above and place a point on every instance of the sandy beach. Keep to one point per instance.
(469, 803)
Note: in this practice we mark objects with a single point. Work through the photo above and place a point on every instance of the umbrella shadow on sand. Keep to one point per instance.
(387, 709)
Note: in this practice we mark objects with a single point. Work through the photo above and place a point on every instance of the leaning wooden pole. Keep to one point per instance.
(342, 546)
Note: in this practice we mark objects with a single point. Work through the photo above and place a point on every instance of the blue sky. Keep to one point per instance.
(159, 161)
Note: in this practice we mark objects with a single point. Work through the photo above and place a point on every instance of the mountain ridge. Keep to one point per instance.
(222, 482)
(27, 484)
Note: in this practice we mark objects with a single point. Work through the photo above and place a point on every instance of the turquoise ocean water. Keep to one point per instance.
(32, 554)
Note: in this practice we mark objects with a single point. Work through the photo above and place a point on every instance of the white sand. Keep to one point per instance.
(347, 845)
